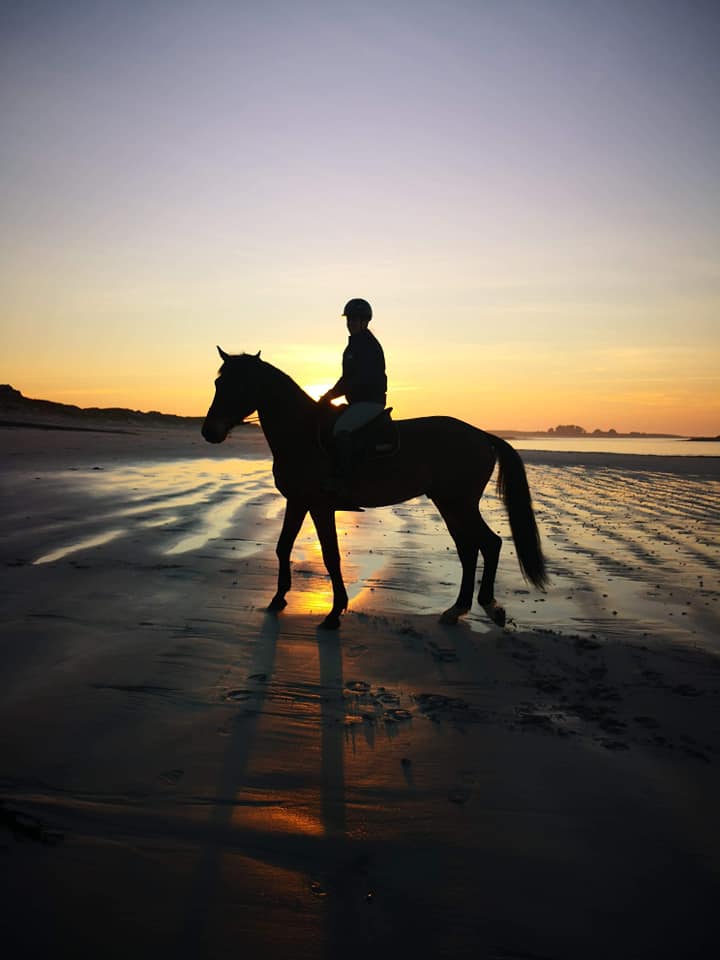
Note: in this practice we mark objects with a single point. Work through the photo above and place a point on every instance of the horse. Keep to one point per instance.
(443, 458)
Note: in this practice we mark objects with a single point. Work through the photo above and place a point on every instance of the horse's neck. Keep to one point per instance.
(285, 411)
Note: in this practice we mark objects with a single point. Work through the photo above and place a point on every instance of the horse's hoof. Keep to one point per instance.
(276, 605)
(495, 612)
(452, 615)
(331, 622)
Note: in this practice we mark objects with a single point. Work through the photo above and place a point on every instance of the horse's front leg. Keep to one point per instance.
(294, 515)
(324, 519)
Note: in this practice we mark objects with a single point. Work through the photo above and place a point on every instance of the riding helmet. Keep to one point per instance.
(358, 309)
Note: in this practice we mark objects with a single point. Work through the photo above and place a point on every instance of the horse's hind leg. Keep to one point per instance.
(490, 544)
(463, 523)
(294, 516)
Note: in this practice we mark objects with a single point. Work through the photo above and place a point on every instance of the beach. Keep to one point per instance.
(184, 774)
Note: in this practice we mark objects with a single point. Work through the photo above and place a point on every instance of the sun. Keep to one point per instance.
(316, 390)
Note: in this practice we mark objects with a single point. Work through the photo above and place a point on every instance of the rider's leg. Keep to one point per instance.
(355, 416)
(343, 455)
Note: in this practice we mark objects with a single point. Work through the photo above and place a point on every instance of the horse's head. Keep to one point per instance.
(236, 394)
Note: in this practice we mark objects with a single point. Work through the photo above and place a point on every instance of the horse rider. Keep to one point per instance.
(363, 383)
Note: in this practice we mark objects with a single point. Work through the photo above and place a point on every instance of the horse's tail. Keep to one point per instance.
(512, 487)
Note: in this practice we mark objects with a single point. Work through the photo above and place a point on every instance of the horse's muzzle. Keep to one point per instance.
(213, 431)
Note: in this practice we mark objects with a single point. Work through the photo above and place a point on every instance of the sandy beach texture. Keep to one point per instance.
(184, 775)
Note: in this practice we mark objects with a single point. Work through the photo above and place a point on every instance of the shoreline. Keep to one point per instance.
(682, 463)
(250, 437)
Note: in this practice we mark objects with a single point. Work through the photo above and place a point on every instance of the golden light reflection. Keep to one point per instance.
(313, 599)
(312, 589)
(283, 818)
(299, 728)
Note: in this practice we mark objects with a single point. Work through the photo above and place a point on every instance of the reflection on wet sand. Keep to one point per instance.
(85, 544)
(192, 502)
(622, 529)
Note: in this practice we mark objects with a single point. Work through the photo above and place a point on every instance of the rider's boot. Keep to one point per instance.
(342, 471)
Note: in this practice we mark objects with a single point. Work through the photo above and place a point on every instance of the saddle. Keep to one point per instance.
(375, 440)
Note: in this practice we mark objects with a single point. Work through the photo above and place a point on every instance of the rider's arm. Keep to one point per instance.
(334, 392)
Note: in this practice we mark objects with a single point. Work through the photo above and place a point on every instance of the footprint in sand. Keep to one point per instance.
(396, 715)
(353, 720)
(387, 696)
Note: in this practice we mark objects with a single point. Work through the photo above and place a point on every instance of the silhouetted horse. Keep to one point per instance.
(447, 460)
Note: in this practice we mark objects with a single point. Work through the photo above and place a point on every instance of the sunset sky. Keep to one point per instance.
(527, 191)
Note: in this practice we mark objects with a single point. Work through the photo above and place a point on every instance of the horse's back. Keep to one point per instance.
(454, 456)
(441, 430)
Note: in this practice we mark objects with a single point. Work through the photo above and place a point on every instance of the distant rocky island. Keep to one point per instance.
(573, 430)
(17, 410)
(567, 430)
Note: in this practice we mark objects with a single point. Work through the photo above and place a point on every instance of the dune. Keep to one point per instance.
(183, 774)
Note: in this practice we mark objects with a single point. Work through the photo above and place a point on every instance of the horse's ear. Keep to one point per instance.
(257, 355)
(223, 356)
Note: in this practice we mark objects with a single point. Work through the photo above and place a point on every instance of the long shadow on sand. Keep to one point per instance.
(207, 877)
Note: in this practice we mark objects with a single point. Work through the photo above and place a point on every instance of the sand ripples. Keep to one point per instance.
(628, 549)
(632, 544)
(182, 505)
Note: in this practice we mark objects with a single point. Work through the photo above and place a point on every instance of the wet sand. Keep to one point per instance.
(182, 774)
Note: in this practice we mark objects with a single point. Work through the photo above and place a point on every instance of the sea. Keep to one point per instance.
(651, 446)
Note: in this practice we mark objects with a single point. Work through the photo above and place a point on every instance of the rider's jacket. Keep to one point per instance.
(363, 364)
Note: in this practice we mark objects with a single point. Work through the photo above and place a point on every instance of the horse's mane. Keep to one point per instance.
(279, 375)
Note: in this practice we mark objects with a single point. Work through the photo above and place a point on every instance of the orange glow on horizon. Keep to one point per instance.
(511, 387)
